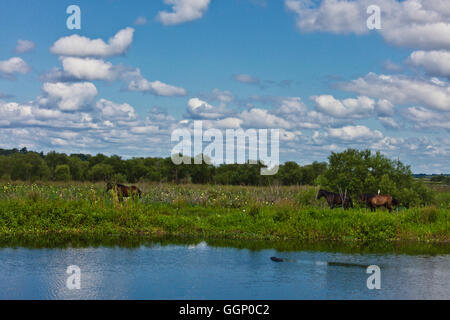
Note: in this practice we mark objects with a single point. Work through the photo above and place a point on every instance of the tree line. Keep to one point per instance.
(24, 165)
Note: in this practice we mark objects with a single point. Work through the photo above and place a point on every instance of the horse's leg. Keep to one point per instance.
(120, 195)
(330, 202)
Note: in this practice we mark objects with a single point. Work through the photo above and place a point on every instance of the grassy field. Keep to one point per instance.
(218, 212)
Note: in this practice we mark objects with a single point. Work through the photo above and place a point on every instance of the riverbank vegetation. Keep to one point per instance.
(221, 212)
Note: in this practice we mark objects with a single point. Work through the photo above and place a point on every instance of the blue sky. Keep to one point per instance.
(309, 68)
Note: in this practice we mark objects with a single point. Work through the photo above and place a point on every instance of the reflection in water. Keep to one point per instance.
(93, 241)
(136, 268)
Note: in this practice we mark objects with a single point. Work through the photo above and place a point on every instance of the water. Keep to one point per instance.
(198, 270)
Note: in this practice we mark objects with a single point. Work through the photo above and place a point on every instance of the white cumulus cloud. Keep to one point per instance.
(262, 118)
(89, 69)
(80, 46)
(183, 11)
(402, 90)
(433, 62)
(111, 110)
(200, 109)
(68, 96)
(351, 133)
(423, 24)
(13, 65)
(348, 108)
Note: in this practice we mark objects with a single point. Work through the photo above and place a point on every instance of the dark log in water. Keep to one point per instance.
(275, 259)
(345, 264)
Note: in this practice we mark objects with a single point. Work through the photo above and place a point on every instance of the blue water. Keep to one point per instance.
(204, 272)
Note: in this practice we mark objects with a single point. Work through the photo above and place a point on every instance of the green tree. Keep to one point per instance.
(363, 172)
(27, 166)
(54, 159)
(136, 170)
(311, 172)
(101, 172)
(78, 168)
(290, 173)
(62, 172)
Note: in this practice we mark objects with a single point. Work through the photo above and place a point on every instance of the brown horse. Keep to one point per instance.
(124, 191)
(381, 200)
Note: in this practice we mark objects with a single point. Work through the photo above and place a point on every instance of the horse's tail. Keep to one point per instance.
(395, 202)
(350, 201)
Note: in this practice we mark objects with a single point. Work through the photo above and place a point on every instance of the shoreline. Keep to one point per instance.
(158, 235)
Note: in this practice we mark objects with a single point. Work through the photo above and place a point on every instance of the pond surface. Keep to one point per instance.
(201, 270)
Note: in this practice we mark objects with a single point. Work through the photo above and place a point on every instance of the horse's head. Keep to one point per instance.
(366, 196)
(320, 194)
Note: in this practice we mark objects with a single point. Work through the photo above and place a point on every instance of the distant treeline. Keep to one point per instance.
(440, 178)
(445, 179)
(32, 166)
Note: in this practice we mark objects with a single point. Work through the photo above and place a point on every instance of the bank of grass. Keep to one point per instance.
(208, 211)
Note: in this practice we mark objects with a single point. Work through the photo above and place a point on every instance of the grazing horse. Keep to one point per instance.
(124, 191)
(382, 200)
(335, 199)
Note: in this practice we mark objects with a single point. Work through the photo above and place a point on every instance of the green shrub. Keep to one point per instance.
(429, 215)
(307, 197)
(409, 198)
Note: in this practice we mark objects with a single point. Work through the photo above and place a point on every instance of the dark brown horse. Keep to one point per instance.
(334, 199)
(124, 191)
(383, 200)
